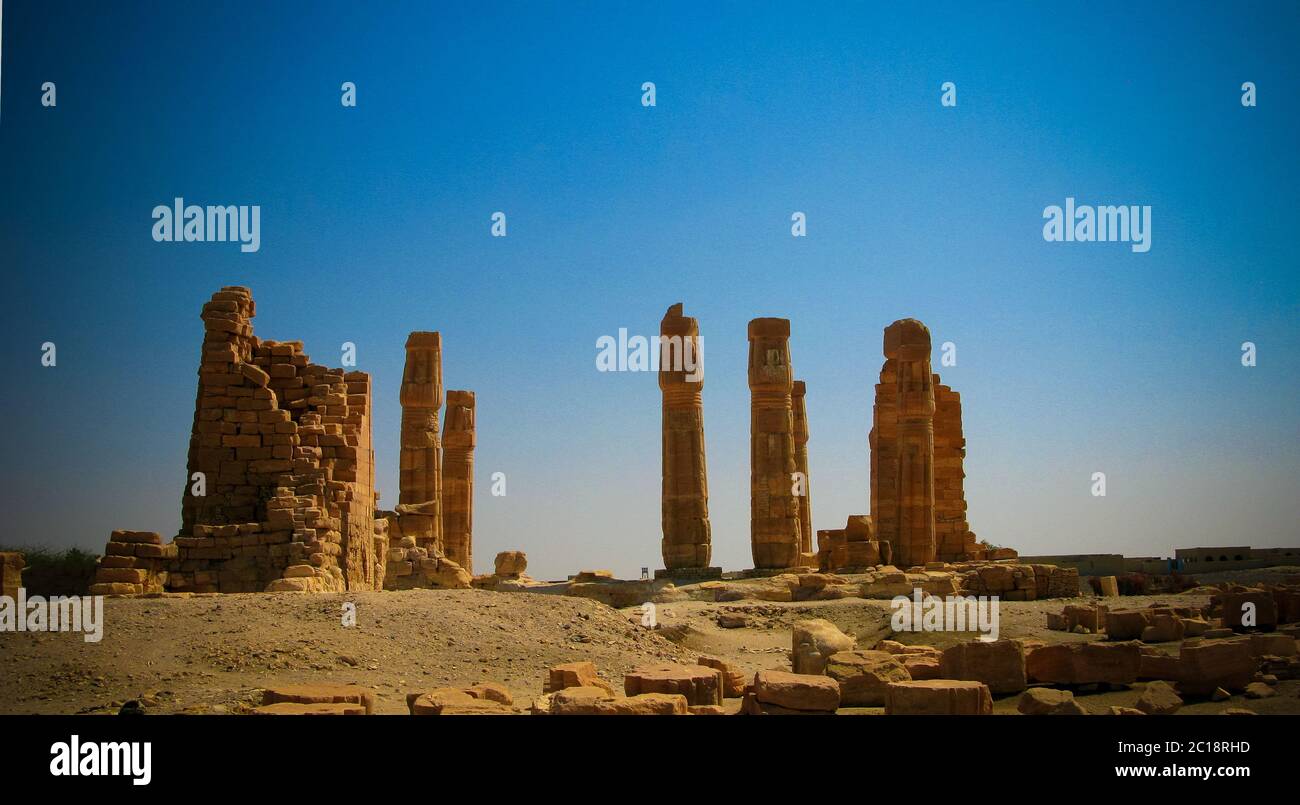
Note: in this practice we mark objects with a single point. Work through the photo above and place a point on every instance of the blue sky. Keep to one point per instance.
(1072, 358)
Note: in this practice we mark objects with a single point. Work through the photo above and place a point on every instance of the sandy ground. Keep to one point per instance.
(214, 654)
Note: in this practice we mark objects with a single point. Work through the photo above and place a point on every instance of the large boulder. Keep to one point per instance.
(733, 679)
(802, 692)
(1000, 664)
(1159, 699)
(1085, 663)
(1045, 702)
(699, 684)
(863, 676)
(588, 701)
(1126, 624)
(938, 697)
(1204, 665)
(813, 642)
(511, 564)
(574, 675)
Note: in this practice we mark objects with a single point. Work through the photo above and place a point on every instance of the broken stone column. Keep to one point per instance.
(11, 573)
(907, 343)
(420, 477)
(806, 555)
(774, 509)
(458, 440)
(687, 542)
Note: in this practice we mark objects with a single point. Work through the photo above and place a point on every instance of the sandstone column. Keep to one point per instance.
(420, 477)
(907, 343)
(458, 440)
(774, 509)
(806, 555)
(687, 543)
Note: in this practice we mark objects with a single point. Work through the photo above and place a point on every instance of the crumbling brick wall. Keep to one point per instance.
(283, 447)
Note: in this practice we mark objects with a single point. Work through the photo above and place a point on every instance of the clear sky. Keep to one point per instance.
(1072, 358)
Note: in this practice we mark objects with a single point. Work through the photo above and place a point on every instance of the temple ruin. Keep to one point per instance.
(774, 508)
(458, 479)
(280, 477)
(687, 542)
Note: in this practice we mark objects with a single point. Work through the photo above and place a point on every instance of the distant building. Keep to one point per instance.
(1234, 557)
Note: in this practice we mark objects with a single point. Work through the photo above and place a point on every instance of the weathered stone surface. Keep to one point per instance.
(432, 703)
(1000, 664)
(1204, 665)
(1164, 628)
(1085, 663)
(804, 692)
(1275, 644)
(575, 675)
(314, 709)
(587, 701)
(921, 666)
(1044, 701)
(1126, 624)
(687, 540)
(698, 683)
(420, 477)
(733, 679)
(511, 564)
(320, 694)
(864, 676)
(283, 447)
(938, 697)
(1259, 690)
(774, 509)
(458, 440)
(1159, 699)
(491, 691)
(902, 446)
(798, 393)
(813, 642)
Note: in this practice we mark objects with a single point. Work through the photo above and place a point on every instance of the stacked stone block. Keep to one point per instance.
(134, 563)
(280, 484)
(954, 540)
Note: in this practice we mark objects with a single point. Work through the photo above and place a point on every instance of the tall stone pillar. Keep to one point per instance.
(807, 556)
(458, 440)
(420, 477)
(687, 542)
(774, 509)
(907, 343)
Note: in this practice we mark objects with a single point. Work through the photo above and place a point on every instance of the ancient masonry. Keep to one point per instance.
(918, 502)
(806, 555)
(458, 479)
(420, 479)
(774, 508)
(280, 488)
(902, 507)
(687, 544)
(417, 555)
